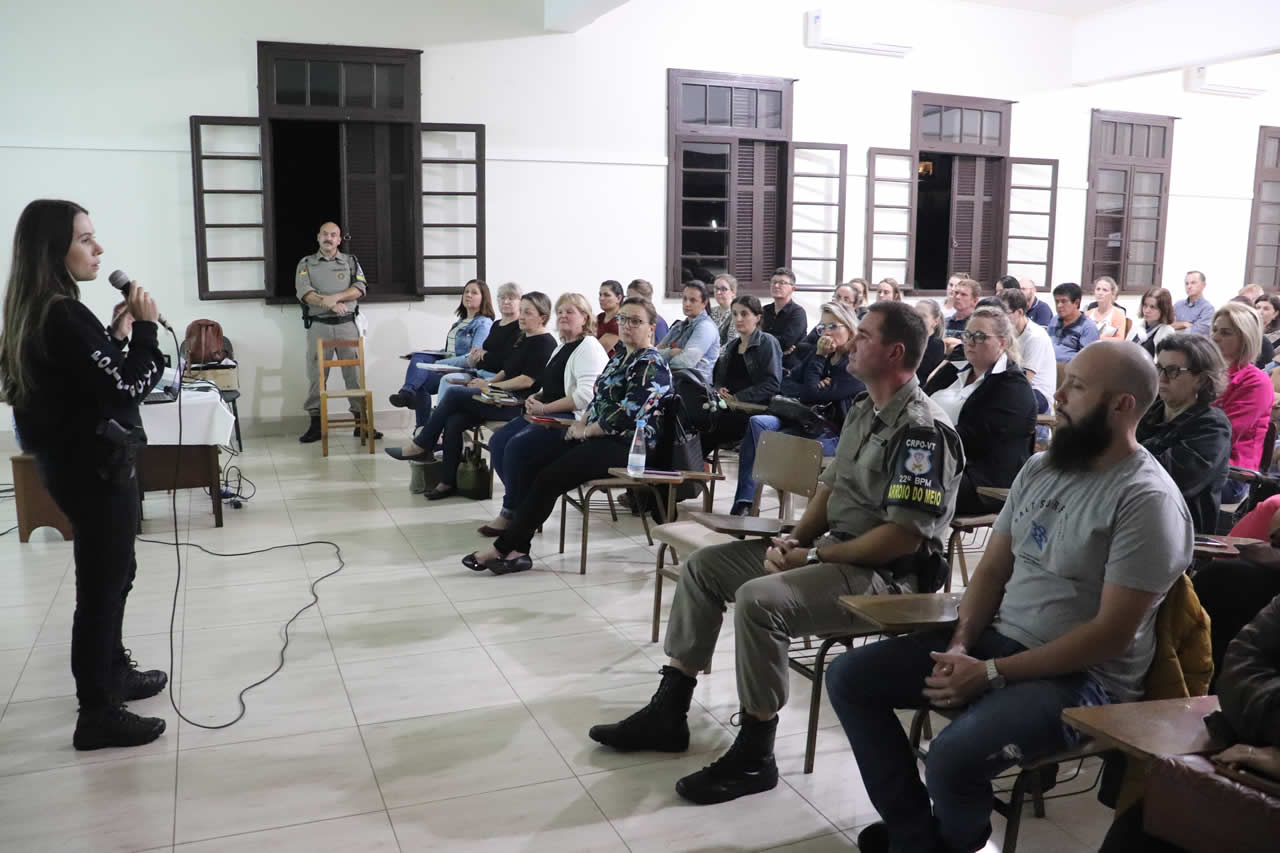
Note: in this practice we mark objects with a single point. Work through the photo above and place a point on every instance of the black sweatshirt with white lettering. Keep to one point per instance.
(83, 377)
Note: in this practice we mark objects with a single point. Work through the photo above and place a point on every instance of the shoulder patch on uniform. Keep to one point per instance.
(302, 269)
(916, 471)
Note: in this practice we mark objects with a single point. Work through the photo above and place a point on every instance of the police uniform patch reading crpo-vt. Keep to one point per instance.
(916, 472)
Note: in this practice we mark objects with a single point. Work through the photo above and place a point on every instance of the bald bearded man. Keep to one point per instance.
(1060, 613)
(329, 283)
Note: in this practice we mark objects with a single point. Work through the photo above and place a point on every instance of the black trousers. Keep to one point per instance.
(729, 429)
(577, 463)
(969, 502)
(104, 522)
(449, 423)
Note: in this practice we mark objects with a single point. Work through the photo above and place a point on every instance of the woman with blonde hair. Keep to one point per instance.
(888, 288)
(991, 403)
(1106, 315)
(1237, 331)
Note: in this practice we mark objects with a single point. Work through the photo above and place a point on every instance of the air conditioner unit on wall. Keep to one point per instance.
(1196, 80)
(814, 37)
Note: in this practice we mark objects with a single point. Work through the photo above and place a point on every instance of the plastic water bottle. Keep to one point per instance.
(639, 452)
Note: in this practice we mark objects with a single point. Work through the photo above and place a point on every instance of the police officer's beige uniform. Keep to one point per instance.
(326, 276)
(900, 465)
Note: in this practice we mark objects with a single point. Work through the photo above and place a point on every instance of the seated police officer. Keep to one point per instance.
(329, 284)
(875, 525)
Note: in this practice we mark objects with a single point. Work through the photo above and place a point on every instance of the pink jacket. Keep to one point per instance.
(1247, 403)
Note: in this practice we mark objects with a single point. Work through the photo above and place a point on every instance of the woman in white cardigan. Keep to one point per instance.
(1157, 320)
(519, 447)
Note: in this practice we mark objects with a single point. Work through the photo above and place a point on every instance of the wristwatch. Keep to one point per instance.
(812, 556)
(994, 679)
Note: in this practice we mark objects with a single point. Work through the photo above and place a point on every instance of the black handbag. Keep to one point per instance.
(793, 413)
(474, 477)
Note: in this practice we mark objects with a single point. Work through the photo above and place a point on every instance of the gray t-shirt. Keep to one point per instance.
(1126, 525)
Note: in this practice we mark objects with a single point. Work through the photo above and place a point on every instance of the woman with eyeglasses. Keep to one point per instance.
(823, 383)
(1184, 431)
(725, 290)
(747, 371)
(630, 389)
(1248, 398)
(992, 406)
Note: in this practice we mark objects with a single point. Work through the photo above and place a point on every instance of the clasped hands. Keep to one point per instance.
(957, 678)
(334, 303)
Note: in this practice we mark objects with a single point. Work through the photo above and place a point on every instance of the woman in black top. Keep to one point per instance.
(748, 371)
(75, 391)
(519, 376)
(934, 349)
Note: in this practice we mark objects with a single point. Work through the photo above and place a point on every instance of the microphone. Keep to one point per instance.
(121, 282)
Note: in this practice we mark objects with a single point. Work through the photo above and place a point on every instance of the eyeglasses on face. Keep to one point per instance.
(827, 327)
(1171, 371)
(974, 337)
(627, 320)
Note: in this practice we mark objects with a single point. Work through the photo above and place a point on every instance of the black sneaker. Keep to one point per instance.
(874, 838)
(355, 433)
(661, 726)
(138, 684)
(115, 726)
(401, 400)
(747, 768)
(313, 431)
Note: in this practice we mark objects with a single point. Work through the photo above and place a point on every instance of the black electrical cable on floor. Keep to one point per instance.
(177, 583)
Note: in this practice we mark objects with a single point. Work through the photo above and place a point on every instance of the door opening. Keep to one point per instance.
(306, 187)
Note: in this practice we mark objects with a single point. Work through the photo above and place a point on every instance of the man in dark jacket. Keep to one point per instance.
(1189, 436)
(785, 319)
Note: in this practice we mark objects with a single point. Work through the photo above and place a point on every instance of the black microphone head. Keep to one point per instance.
(119, 280)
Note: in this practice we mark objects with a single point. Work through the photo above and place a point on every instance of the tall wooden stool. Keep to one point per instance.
(365, 422)
(35, 506)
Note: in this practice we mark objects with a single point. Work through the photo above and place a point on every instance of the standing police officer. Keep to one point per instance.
(329, 284)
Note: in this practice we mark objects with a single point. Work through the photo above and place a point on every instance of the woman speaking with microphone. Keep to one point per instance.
(75, 390)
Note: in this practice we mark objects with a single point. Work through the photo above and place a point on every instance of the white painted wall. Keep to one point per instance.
(96, 109)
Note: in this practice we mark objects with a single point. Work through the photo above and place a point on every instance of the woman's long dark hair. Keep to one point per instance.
(486, 302)
(38, 279)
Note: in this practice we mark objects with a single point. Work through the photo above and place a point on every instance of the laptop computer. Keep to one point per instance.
(169, 388)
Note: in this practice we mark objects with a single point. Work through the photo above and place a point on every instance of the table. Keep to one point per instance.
(205, 425)
(1229, 548)
(742, 525)
(1048, 420)
(1154, 729)
(993, 492)
(897, 614)
(749, 408)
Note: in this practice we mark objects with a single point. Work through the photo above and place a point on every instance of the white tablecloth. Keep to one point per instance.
(205, 420)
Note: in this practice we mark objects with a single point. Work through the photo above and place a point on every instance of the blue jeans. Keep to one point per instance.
(421, 383)
(519, 451)
(747, 452)
(1233, 491)
(999, 729)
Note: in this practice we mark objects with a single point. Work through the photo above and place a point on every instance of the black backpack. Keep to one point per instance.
(698, 400)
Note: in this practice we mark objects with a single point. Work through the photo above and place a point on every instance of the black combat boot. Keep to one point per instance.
(114, 725)
(662, 725)
(747, 768)
(136, 684)
(313, 431)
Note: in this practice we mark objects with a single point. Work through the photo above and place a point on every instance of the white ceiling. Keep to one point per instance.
(1066, 8)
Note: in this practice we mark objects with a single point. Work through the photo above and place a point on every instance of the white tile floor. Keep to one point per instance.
(423, 707)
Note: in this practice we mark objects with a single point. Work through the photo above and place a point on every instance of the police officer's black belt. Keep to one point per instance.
(333, 321)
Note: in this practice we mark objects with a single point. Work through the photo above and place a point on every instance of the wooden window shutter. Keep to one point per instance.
(891, 215)
(361, 217)
(232, 229)
(1031, 203)
(974, 199)
(452, 187)
(756, 230)
(742, 261)
(1262, 258)
(816, 214)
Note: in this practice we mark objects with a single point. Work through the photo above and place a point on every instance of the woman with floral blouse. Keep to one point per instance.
(631, 388)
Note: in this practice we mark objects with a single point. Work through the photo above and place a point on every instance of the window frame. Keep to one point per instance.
(198, 193)
(920, 99)
(1009, 212)
(269, 52)
(869, 232)
(1262, 173)
(420, 193)
(842, 179)
(1130, 164)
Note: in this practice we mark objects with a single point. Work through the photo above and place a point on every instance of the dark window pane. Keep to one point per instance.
(390, 86)
(1155, 146)
(359, 79)
(1124, 140)
(291, 81)
(1140, 275)
(704, 184)
(703, 268)
(706, 155)
(693, 104)
(1106, 250)
(931, 121)
(710, 214)
(951, 124)
(744, 107)
(1107, 226)
(971, 127)
(719, 101)
(1148, 182)
(401, 148)
(324, 84)
(1141, 137)
(1101, 268)
(1111, 180)
(770, 108)
(704, 242)
(990, 127)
